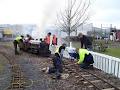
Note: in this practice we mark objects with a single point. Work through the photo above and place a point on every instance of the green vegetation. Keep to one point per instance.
(109, 51)
(113, 52)
(76, 44)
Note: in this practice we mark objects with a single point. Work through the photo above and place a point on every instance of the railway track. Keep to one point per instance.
(17, 82)
(90, 80)
(81, 76)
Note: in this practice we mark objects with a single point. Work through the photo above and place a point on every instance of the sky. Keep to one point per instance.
(106, 12)
(44, 12)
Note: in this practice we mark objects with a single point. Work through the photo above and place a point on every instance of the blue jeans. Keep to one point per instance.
(72, 56)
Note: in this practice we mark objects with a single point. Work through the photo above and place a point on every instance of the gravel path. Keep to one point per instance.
(35, 79)
(5, 73)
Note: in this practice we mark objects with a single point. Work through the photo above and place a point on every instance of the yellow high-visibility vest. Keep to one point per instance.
(18, 38)
(82, 53)
(57, 50)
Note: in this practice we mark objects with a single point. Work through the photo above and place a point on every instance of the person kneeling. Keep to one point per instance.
(85, 58)
(57, 66)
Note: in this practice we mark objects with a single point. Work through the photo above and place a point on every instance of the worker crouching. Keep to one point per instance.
(85, 58)
(57, 66)
(60, 50)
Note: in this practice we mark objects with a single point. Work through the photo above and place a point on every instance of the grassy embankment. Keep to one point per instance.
(110, 51)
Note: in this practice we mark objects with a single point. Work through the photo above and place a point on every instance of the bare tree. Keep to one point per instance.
(74, 16)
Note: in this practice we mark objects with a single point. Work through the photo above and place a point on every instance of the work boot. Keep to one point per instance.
(16, 53)
(58, 77)
(91, 66)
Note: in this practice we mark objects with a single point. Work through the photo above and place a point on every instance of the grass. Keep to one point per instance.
(110, 51)
(113, 52)
(76, 44)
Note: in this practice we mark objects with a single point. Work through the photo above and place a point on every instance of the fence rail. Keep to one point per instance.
(105, 63)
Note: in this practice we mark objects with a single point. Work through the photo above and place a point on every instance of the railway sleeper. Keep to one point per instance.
(17, 78)
(21, 78)
(98, 83)
(18, 81)
(15, 67)
(16, 73)
(109, 89)
(17, 86)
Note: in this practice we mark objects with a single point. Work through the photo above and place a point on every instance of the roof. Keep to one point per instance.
(7, 31)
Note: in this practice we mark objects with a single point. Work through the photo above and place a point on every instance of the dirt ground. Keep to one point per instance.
(31, 66)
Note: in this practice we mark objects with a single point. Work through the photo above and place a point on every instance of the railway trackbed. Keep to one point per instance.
(17, 82)
(27, 75)
(88, 79)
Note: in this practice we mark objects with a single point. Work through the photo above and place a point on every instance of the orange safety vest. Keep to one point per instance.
(47, 40)
(54, 41)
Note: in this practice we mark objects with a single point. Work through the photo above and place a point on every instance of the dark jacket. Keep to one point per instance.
(88, 58)
(57, 63)
(60, 48)
(85, 41)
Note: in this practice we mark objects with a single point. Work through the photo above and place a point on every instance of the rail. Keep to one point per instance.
(17, 81)
(104, 62)
(89, 79)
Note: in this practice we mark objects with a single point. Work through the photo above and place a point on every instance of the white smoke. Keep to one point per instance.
(48, 18)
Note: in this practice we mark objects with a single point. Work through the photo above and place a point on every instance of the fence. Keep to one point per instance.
(105, 63)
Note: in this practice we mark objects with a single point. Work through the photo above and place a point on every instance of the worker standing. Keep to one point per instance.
(18, 40)
(85, 41)
(85, 58)
(54, 40)
(54, 43)
(48, 39)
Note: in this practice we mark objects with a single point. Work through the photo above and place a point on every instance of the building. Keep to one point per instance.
(115, 34)
(7, 33)
(118, 35)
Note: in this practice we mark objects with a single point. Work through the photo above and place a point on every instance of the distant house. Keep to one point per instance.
(7, 33)
(115, 34)
(99, 33)
(118, 35)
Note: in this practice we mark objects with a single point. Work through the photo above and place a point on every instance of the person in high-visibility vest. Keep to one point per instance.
(54, 40)
(60, 50)
(85, 58)
(48, 39)
(17, 41)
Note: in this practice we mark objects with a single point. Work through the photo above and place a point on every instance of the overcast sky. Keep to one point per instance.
(43, 12)
(106, 12)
